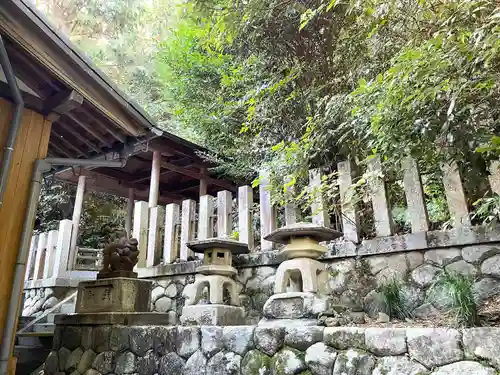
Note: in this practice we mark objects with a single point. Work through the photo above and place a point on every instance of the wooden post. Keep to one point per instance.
(203, 183)
(50, 254)
(380, 202)
(494, 177)
(77, 213)
(31, 258)
(415, 199)
(292, 214)
(187, 227)
(154, 185)
(40, 256)
(130, 211)
(245, 216)
(319, 211)
(224, 218)
(61, 259)
(267, 212)
(140, 230)
(171, 243)
(455, 195)
(205, 217)
(350, 217)
(156, 222)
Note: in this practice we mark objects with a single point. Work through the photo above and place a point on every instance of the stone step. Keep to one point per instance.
(30, 359)
(44, 327)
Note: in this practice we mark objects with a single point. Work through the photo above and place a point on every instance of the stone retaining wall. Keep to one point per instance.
(250, 350)
(352, 281)
(37, 300)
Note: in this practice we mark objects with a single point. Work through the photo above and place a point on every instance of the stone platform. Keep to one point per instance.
(212, 315)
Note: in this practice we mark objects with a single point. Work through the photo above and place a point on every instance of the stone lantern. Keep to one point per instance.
(298, 278)
(222, 305)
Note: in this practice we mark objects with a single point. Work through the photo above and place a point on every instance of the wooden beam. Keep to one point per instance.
(60, 150)
(118, 136)
(89, 130)
(197, 175)
(65, 126)
(61, 103)
(68, 143)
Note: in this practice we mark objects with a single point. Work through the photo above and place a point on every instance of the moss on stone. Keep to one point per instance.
(254, 361)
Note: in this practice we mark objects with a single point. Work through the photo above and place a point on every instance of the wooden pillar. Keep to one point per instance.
(319, 211)
(415, 199)
(61, 258)
(203, 183)
(77, 213)
(130, 211)
(156, 222)
(245, 216)
(171, 242)
(50, 254)
(187, 227)
(292, 214)
(31, 144)
(350, 217)
(155, 179)
(455, 195)
(30, 264)
(140, 230)
(206, 217)
(267, 212)
(224, 218)
(380, 201)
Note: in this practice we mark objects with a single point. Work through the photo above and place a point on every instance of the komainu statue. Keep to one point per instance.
(119, 259)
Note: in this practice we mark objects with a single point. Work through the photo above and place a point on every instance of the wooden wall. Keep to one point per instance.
(32, 143)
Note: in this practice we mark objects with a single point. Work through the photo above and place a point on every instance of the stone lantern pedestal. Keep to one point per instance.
(221, 305)
(117, 296)
(297, 284)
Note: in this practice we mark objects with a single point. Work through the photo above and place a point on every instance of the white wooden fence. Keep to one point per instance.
(163, 231)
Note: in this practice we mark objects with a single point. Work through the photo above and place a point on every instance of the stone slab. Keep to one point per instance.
(294, 305)
(233, 246)
(115, 274)
(114, 295)
(213, 315)
(126, 319)
(317, 232)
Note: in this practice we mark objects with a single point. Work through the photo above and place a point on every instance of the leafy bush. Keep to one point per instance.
(454, 293)
(395, 299)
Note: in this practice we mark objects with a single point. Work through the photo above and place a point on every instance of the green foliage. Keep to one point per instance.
(454, 292)
(294, 85)
(394, 299)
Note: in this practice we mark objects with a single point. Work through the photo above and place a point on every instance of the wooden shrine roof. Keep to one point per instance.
(92, 118)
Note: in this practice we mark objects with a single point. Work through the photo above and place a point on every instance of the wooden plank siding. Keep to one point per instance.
(32, 143)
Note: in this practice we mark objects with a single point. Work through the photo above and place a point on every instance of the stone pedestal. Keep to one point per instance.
(114, 295)
(222, 304)
(296, 287)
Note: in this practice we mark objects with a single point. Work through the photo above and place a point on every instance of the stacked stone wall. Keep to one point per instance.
(38, 300)
(352, 281)
(250, 350)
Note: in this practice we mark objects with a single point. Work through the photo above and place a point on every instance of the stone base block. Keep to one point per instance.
(125, 319)
(114, 295)
(213, 315)
(287, 323)
(295, 305)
